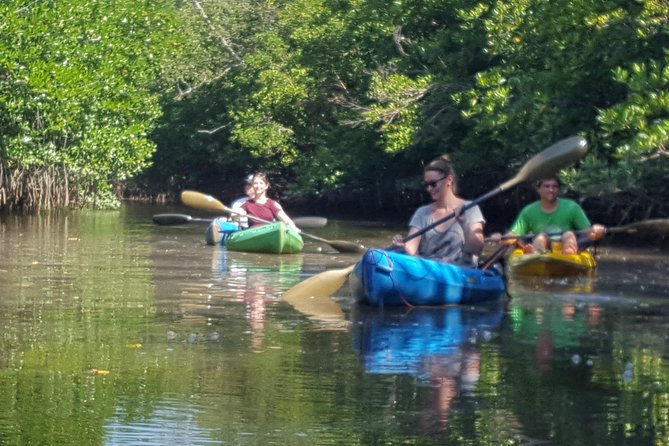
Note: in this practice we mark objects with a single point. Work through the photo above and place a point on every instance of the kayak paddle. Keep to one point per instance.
(543, 164)
(658, 226)
(325, 311)
(177, 219)
(209, 203)
(310, 222)
(183, 219)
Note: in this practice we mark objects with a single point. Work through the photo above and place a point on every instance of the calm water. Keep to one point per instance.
(116, 331)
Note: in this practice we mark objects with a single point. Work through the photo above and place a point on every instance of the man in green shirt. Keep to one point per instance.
(553, 215)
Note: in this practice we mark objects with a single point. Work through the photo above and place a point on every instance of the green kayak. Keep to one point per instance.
(274, 238)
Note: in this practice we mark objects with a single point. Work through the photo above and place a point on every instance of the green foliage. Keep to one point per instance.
(265, 121)
(79, 87)
(635, 133)
(639, 125)
(334, 95)
(397, 108)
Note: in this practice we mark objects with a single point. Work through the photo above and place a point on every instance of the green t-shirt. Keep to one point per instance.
(567, 216)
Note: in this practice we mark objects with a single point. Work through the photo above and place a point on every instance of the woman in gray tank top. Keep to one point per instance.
(458, 240)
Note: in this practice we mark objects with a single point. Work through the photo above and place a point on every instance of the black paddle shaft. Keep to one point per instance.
(177, 219)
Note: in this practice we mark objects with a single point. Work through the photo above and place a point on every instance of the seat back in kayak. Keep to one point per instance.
(218, 230)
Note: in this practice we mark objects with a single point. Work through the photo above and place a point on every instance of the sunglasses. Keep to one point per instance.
(432, 184)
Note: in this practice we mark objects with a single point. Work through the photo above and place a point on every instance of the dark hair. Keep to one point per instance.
(540, 181)
(443, 164)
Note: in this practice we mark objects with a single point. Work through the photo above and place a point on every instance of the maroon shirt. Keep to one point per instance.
(267, 211)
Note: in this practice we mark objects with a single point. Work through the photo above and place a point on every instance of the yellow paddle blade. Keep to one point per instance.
(322, 284)
(202, 201)
(320, 309)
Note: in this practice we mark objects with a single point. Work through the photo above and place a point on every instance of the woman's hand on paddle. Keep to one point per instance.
(409, 246)
(398, 241)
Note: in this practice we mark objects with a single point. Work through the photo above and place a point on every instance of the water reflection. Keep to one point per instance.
(561, 323)
(417, 340)
(170, 421)
(589, 356)
(256, 285)
(438, 346)
(200, 347)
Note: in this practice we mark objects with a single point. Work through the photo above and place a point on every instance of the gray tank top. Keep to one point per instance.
(445, 246)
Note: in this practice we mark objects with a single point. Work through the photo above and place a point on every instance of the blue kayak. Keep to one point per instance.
(386, 278)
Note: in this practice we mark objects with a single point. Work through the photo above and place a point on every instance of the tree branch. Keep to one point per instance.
(399, 39)
(212, 131)
(224, 42)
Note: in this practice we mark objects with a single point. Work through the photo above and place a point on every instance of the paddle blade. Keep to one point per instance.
(339, 245)
(320, 309)
(323, 284)
(658, 226)
(550, 161)
(202, 201)
(310, 222)
(171, 219)
(348, 247)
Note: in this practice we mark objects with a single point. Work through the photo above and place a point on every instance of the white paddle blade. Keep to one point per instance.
(550, 161)
(310, 222)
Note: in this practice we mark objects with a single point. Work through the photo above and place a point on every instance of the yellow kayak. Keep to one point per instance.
(551, 264)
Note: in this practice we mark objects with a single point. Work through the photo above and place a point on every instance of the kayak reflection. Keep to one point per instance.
(440, 346)
(246, 272)
(256, 280)
(419, 340)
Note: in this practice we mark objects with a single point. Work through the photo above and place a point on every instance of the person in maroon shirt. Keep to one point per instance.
(262, 206)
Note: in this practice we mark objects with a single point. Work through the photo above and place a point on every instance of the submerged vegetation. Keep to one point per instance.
(340, 100)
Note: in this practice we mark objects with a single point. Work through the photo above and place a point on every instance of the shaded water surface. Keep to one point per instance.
(116, 331)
